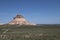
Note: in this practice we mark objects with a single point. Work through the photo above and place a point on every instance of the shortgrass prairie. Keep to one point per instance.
(23, 32)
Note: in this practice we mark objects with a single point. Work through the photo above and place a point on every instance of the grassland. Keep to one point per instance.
(39, 32)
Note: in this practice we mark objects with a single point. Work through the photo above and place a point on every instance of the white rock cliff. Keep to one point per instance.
(19, 19)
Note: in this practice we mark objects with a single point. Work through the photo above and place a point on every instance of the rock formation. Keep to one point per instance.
(19, 19)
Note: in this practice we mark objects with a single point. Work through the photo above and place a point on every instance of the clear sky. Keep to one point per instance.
(35, 11)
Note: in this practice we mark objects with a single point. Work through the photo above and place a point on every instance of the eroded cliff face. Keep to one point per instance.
(19, 19)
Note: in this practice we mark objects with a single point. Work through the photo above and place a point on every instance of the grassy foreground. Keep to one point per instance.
(17, 32)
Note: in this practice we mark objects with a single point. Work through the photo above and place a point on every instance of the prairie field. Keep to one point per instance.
(23, 32)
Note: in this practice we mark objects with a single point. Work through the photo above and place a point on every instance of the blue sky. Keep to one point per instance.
(35, 11)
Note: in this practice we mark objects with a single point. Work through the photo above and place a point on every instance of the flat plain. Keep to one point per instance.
(23, 32)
